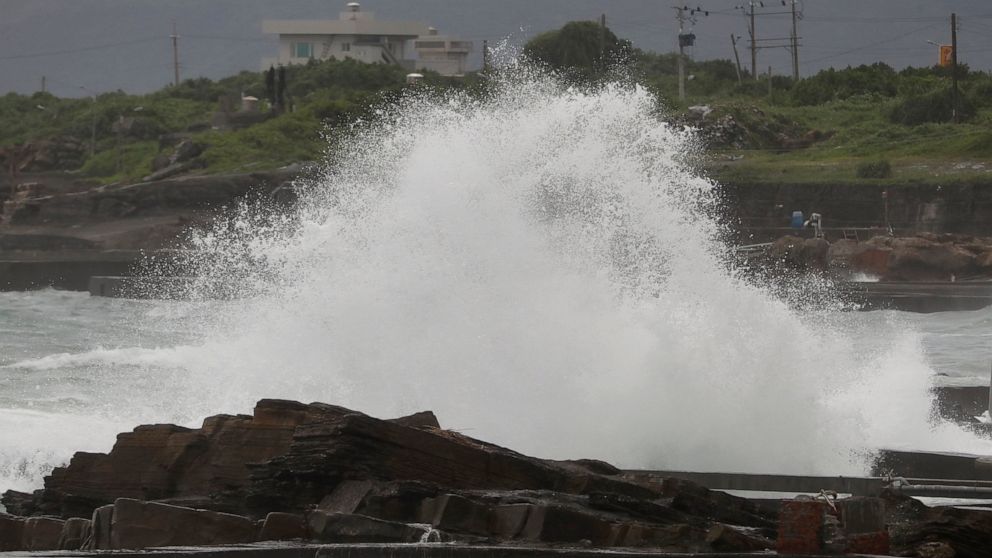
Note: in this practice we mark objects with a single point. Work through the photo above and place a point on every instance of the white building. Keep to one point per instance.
(358, 35)
(442, 54)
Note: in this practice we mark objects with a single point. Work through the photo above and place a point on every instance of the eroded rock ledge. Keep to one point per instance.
(326, 474)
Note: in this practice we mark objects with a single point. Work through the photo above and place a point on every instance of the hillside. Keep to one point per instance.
(869, 123)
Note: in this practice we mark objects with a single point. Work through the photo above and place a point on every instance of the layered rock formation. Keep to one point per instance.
(924, 257)
(325, 474)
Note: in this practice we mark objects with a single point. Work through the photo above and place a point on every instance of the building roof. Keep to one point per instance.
(363, 26)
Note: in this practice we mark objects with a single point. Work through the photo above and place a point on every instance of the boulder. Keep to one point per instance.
(74, 533)
(918, 259)
(347, 497)
(724, 538)
(508, 521)
(165, 461)
(350, 528)
(100, 526)
(11, 532)
(341, 444)
(788, 250)
(42, 533)
(814, 253)
(850, 256)
(450, 512)
(696, 500)
(397, 501)
(137, 525)
(279, 526)
(967, 531)
(560, 524)
(423, 419)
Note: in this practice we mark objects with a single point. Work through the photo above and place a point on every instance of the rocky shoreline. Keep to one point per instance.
(921, 257)
(321, 474)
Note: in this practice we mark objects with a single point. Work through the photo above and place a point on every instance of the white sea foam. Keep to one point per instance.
(542, 268)
(100, 357)
(32, 442)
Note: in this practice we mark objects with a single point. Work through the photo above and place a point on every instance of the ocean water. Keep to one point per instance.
(542, 268)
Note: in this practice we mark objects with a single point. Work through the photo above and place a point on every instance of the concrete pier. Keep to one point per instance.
(919, 296)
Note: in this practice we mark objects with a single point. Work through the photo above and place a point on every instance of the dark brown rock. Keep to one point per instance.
(508, 521)
(935, 550)
(678, 537)
(74, 533)
(862, 515)
(398, 501)
(423, 419)
(11, 532)
(100, 527)
(347, 497)
(967, 531)
(138, 525)
(450, 512)
(351, 528)
(21, 504)
(42, 533)
(697, 500)
(723, 538)
(279, 526)
(341, 444)
(164, 461)
(558, 524)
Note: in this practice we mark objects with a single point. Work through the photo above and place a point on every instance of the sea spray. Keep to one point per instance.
(543, 269)
(540, 266)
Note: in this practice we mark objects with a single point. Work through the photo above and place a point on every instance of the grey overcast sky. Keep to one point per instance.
(104, 45)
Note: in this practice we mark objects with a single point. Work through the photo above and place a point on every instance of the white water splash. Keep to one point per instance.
(541, 268)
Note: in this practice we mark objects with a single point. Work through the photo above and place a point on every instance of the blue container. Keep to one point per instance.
(797, 220)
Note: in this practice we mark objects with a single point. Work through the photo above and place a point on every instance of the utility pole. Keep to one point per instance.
(680, 15)
(795, 45)
(485, 56)
(737, 58)
(954, 68)
(175, 53)
(44, 84)
(754, 44)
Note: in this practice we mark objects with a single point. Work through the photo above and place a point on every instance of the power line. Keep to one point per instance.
(82, 49)
(882, 42)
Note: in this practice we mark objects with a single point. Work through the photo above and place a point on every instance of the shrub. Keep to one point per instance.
(930, 107)
(874, 169)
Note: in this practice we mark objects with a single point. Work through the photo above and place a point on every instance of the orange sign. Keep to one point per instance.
(946, 55)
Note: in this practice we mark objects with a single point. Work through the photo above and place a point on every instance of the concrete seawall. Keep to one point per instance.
(764, 208)
(61, 270)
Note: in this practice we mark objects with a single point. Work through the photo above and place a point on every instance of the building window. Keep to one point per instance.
(302, 50)
(345, 47)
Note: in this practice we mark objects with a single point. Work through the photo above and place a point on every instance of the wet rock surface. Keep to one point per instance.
(923, 257)
(317, 473)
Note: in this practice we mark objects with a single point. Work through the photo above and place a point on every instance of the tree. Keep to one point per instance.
(580, 47)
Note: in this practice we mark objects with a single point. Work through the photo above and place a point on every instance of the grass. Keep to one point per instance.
(861, 133)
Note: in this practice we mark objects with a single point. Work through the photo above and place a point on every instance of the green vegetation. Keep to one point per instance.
(580, 49)
(875, 169)
(869, 123)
